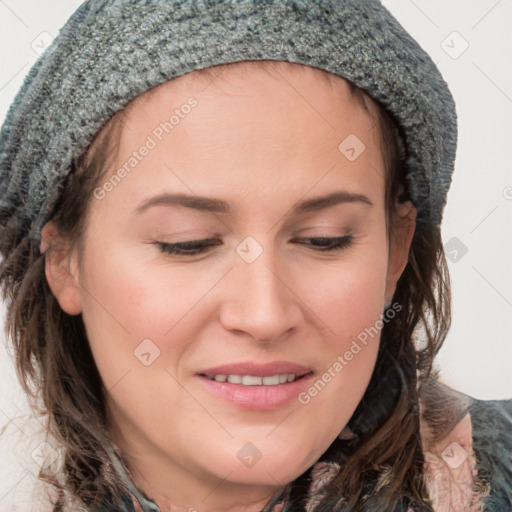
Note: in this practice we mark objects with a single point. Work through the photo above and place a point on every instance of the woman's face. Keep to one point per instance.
(261, 167)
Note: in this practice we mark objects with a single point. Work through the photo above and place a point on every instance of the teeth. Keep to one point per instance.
(271, 381)
(251, 380)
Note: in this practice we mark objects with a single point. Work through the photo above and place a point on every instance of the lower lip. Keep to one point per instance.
(257, 398)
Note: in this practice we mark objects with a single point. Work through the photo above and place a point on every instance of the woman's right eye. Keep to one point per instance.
(191, 248)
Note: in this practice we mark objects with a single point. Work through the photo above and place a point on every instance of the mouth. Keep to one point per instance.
(256, 387)
(255, 380)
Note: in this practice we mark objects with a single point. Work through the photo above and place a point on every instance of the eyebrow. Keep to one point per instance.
(215, 205)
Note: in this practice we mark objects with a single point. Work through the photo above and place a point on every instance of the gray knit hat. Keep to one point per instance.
(110, 51)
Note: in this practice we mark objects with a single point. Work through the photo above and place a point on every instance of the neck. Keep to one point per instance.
(175, 490)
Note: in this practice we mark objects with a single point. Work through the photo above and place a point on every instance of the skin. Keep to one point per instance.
(261, 142)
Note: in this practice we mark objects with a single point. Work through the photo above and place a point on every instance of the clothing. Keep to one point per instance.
(480, 445)
(111, 51)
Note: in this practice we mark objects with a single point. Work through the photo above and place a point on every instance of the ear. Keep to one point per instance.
(61, 269)
(400, 242)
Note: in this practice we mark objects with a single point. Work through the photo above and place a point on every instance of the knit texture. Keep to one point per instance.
(109, 52)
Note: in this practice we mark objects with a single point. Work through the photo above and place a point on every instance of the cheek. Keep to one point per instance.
(133, 308)
(350, 296)
(123, 306)
(121, 287)
(349, 304)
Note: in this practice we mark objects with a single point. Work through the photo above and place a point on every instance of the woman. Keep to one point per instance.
(222, 253)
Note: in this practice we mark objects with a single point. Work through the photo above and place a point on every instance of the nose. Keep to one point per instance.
(260, 300)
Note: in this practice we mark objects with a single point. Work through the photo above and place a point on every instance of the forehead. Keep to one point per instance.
(237, 76)
(258, 128)
(244, 88)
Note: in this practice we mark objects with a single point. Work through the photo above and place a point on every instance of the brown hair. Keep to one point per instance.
(56, 368)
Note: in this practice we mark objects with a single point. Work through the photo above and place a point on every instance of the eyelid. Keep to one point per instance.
(202, 246)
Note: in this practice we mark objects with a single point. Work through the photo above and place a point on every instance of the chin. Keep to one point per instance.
(268, 466)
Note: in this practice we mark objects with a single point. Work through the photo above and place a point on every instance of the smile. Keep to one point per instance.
(256, 387)
(253, 380)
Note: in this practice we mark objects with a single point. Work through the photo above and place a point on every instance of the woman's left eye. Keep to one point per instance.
(326, 244)
(195, 247)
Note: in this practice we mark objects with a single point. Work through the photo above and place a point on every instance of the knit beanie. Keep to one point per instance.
(111, 51)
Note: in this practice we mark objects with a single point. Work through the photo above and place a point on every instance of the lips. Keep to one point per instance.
(257, 370)
(257, 387)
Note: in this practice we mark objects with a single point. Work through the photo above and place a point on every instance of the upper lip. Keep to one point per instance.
(257, 370)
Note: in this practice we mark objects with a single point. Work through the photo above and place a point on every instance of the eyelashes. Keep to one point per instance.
(188, 248)
(329, 244)
(196, 247)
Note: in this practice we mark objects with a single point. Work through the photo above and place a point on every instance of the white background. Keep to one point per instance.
(477, 355)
